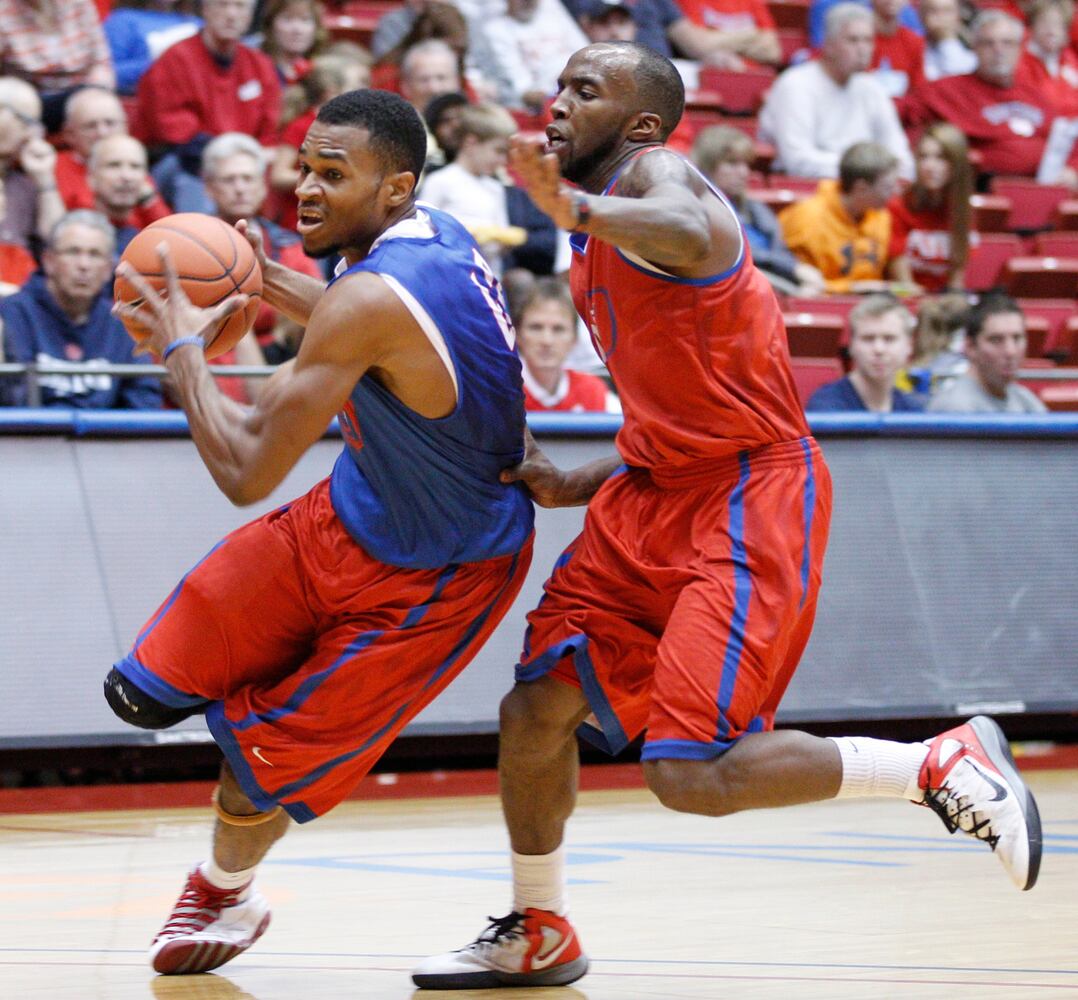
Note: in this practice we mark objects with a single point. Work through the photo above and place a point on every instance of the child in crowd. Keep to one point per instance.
(545, 321)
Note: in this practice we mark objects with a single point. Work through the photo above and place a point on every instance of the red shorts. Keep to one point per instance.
(684, 606)
(312, 654)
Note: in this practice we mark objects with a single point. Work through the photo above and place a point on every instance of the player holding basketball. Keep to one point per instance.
(311, 636)
(686, 602)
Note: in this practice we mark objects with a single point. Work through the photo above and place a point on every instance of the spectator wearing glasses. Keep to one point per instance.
(63, 316)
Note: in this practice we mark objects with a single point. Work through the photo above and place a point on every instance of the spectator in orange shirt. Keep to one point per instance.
(930, 221)
(545, 321)
(121, 189)
(844, 229)
(1047, 61)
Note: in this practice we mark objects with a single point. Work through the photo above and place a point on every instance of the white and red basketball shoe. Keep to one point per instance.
(533, 948)
(971, 782)
(208, 927)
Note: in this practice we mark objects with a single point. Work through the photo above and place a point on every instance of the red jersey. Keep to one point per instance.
(702, 366)
(899, 61)
(925, 238)
(729, 15)
(578, 392)
(1063, 87)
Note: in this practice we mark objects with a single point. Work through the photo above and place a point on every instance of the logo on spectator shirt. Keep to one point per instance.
(1021, 118)
(250, 90)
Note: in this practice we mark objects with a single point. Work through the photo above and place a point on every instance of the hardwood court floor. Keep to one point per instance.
(837, 900)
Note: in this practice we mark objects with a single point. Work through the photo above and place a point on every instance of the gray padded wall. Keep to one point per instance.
(949, 581)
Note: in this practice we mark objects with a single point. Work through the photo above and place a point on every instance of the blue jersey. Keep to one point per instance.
(425, 493)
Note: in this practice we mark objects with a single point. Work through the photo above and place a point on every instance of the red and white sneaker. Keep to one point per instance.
(971, 782)
(533, 948)
(208, 926)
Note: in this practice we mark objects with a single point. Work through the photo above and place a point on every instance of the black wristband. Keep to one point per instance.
(583, 210)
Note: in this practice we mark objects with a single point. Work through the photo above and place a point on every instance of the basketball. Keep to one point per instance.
(212, 260)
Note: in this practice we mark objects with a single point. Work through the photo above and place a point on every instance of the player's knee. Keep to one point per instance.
(137, 708)
(539, 713)
(690, 786)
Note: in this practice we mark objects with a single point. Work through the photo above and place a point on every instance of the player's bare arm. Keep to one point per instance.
(664, 212)
(550, 486)
(289, 292)
(359, 326)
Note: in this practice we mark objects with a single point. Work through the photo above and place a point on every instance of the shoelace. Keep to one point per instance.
(957, 813)
(501, 927)
(195, 909)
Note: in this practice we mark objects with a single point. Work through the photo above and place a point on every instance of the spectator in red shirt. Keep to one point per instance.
(120, 187)
(1047, 62)
(545, 321)
(292, 35)
(204, 86)
(234, 169)
(899, 56)
(90, 114)
(930, 221)
(745, 31)
(1005, 118)
(16, 264)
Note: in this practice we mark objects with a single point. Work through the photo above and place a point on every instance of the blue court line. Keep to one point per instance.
(716, 963)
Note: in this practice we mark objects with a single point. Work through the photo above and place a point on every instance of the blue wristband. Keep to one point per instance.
(194, 338)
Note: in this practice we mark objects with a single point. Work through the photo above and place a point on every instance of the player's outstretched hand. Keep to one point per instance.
(540, 175)
(252, 232)
(546, 483)
(171, 316)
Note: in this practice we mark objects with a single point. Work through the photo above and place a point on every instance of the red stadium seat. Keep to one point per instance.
(1041, 277)
(351, 28)
(1032, 205)
(1058, 395)
(1065, 346)
(790, 13)
(824, 305)
(1067, 215)
(738, 93)
(811, 373)
(1056, 244)
(1055, 312)
(792, 41)
(813, 335)
(990, 213)
(987, 255)
(1036, 337)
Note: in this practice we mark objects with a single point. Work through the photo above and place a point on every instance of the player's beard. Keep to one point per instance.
(580, 168)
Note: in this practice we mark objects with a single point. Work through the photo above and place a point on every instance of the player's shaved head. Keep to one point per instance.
(659, 87)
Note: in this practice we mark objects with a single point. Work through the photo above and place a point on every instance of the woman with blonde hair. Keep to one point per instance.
(931, 220)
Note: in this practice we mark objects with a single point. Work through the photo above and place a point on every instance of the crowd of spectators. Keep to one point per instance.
(115, 114)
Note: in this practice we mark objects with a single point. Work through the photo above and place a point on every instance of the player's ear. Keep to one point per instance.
(398, 188)
(646, 127)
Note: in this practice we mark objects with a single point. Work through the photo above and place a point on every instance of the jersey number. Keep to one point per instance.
(484, 280)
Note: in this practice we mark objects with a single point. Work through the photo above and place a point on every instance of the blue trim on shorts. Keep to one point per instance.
(357, 645)
(810, 507)
(742, 595)
(172, 598)
(300, 811)
(693, 750)
(613, 735)
(160, 690)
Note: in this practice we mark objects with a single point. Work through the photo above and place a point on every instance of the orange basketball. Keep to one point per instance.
(213, 261)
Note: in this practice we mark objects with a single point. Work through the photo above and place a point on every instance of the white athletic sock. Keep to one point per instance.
(539, 881)
(218, 877)
(879, 768)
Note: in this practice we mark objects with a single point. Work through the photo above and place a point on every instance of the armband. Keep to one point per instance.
(194, 338)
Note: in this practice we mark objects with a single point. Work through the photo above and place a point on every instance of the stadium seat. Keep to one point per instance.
(1041, 277)
(1032, 205)
(358, 28)
(790, 13)
(989, 213)
(1036, 338)
(1067, 215)
(987, 255)
(1058, 395)
(792, 41)
(1064, 348)
(824, 305)
(738, 93)
(774, 198)
(811, 373)
(1056, 244)
(813, 335)
(802, 186)
(1055, 312)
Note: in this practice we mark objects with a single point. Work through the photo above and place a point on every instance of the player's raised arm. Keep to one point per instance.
(249, 451)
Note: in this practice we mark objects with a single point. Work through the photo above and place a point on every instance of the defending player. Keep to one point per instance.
(685, 604)
(311, 636)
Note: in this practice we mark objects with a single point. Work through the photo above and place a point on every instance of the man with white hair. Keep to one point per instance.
(1006, 117)
(429, 68)
(817, 110)
(27, 166)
